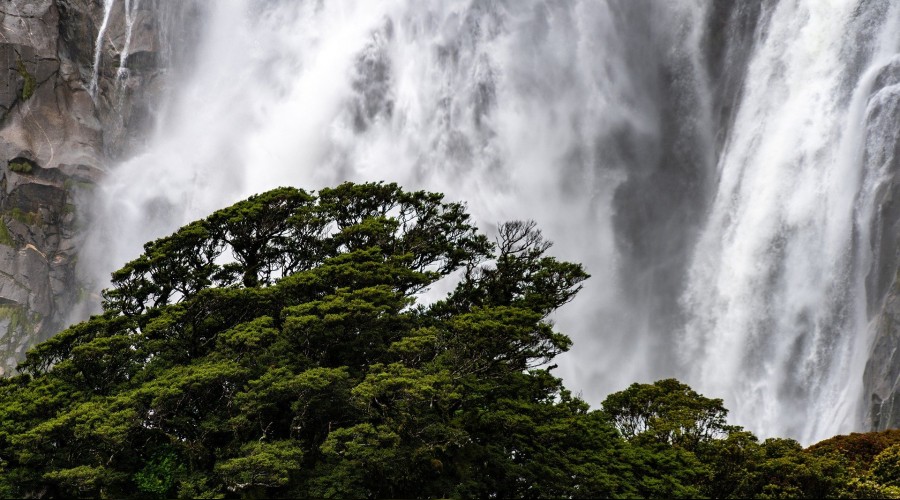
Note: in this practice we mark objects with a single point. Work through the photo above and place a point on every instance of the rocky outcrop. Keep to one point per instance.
(62, 121)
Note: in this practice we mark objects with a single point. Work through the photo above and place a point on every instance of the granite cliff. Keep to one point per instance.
(67, 110)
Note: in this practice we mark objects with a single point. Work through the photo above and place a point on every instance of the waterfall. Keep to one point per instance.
(98, 47)
(704, 160)
(131, 8)
(776, 295)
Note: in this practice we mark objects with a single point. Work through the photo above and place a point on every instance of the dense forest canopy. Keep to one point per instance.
(280, 348)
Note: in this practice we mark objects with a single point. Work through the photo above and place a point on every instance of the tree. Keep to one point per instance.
(859, 448)
(694, 452)
(667, 412)
(278, 348)
(885, 471)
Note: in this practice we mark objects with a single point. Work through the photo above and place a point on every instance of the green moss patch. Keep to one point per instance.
(5, 236)
(20, 167)
(30, 83)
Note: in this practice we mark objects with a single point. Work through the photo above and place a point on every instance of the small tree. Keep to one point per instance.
(667, 412)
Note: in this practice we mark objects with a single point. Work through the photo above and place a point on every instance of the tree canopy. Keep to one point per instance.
(281, 348)
(278, 347)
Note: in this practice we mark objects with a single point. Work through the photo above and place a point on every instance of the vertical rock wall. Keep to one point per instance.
(882, 150)
(56, 139)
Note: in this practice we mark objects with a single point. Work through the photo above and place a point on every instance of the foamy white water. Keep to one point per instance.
(107, 10)
(776, 300)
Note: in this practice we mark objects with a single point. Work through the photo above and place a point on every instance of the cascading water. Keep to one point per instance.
(703, 160)
(107, 10)
(131, 7)
(776, 295)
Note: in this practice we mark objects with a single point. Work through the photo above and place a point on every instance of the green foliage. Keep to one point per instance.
(20, 167)
(666, 412)
(159, 475)
(262, 466)
(278, 348)
(73, 185)
(690, 451)
(864, 487)
(782, 469)
(17, 317)
(886, 467)
(5, 236)
(859, 448)
(29, 83)
(28, 218)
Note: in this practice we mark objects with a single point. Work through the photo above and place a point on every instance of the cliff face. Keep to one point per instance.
(882, 151)
(62, 121)
(882, 376)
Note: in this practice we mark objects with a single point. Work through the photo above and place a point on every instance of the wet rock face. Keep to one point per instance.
(62, 121)
(882, 375)
(882, 156)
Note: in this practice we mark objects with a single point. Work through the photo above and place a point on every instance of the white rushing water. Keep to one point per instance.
(131, 9)
(101, 32)
(777, 294)
(735, 268)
